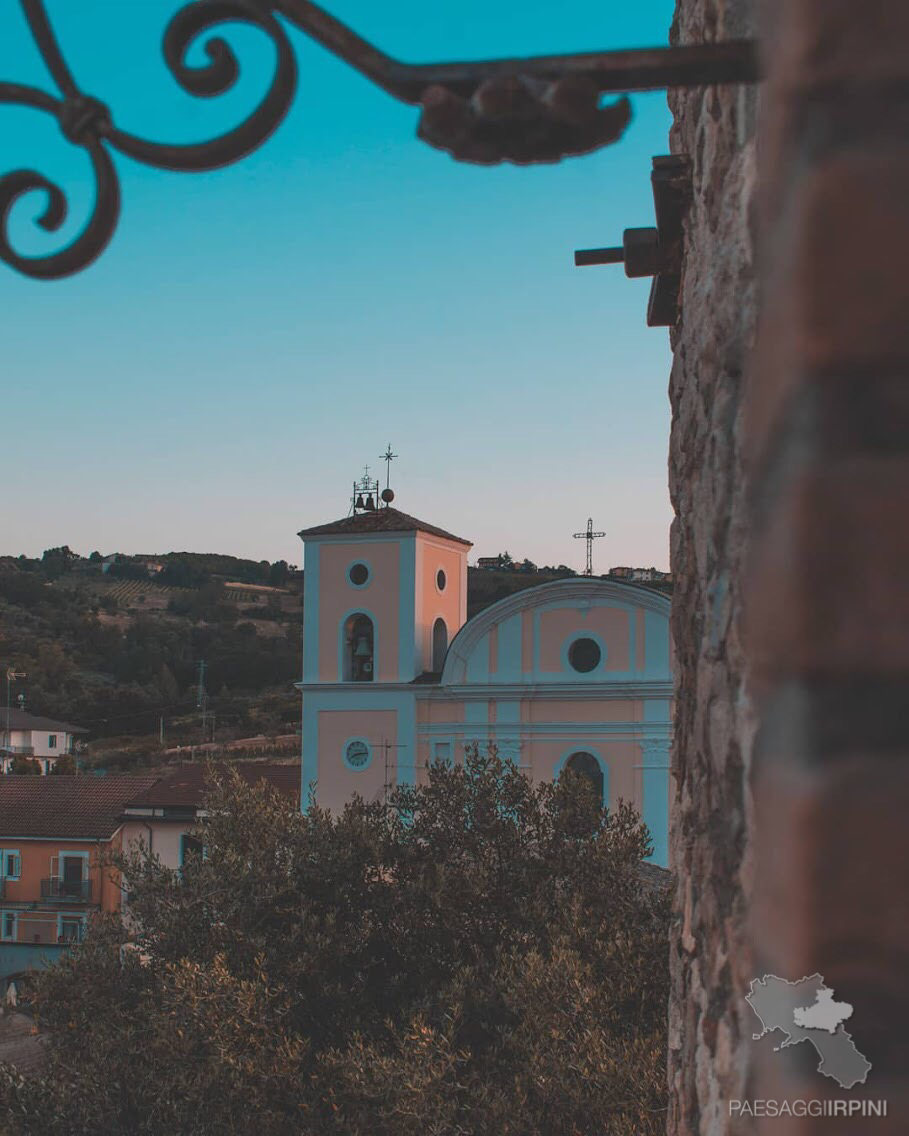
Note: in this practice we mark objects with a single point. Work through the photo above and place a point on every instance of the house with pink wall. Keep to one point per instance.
(571, 674)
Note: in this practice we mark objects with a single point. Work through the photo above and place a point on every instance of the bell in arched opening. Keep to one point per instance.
(359, 654)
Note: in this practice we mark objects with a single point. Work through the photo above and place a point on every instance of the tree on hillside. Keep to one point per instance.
(278, 574)
(479, 955)
(56, 561)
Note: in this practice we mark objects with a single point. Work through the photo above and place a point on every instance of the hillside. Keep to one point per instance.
(119, 650)
(116, 644)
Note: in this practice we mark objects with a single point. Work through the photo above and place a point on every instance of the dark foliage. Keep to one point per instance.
(481, 956)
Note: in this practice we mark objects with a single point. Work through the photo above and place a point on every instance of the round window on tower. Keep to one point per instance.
(441, 580)
(584, 655)
(358, 574)
(357, 754)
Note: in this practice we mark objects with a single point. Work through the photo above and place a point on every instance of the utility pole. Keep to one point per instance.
(590, 536)
(161, 730)
(11, 675)
(201, 699)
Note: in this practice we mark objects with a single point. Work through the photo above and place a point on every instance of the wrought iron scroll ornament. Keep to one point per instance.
(507, 110)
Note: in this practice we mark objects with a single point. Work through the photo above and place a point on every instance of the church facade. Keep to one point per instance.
(571, 674)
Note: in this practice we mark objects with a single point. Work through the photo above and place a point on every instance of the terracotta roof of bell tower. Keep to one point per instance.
(383, 520)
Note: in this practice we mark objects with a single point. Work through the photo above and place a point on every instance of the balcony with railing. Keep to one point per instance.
(69, 891)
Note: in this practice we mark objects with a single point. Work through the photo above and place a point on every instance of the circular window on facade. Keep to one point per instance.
(358, 574)
(441, 580)
(356, 754)
(584, 655)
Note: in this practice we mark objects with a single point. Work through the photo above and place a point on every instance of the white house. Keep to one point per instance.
(28, 735)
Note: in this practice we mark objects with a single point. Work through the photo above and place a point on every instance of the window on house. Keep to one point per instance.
(72, 928)
(73, 876)
(9, 926)
(51, 741)
(12, 865)
(190, 846)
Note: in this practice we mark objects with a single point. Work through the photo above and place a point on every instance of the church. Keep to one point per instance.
(571, 674)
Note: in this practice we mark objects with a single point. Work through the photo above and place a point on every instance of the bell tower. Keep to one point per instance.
(384, 595)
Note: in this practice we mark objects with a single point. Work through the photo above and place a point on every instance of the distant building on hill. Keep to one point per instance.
(28, 735)
(640, 575)
(650, 575)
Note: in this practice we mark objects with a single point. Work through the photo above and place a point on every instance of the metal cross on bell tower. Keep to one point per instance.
(590, 536)
(388, 494)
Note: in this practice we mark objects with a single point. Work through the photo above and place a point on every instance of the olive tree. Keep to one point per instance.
(478, 955)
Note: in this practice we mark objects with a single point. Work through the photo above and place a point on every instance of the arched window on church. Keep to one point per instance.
(359, 649)
(587, 766)
(439, 644)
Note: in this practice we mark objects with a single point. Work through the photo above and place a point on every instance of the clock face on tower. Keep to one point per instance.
(357, 754)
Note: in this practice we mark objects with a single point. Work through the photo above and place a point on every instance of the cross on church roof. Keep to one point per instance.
(590, 536)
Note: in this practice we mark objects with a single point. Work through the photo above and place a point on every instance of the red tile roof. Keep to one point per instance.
(22, 720)
(186, 785)
(72, 808)
(379, 521)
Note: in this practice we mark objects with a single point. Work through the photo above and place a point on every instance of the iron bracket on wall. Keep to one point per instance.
(540, 109)
(655, 252)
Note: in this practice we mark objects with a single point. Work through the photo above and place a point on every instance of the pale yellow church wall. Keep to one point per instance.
(580, 710)
(437, 710)
(611, 624)
(379, 599)
(338, 783)
(447, 604)
(546, 757)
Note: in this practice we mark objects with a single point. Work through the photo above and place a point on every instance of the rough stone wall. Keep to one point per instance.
(790, 478)
(712, 346)
(827, 623)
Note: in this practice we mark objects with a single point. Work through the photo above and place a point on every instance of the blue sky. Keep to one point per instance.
(255, 335)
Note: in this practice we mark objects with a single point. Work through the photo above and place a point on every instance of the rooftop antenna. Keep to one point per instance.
(590, 536)
(11, 676)
(388, 494)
